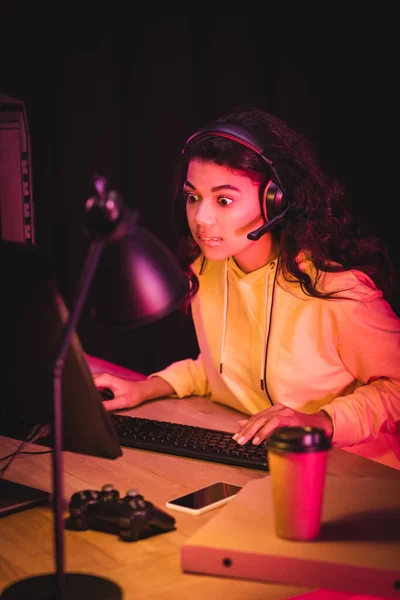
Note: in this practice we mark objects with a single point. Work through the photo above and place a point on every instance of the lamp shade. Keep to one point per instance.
(138, 281)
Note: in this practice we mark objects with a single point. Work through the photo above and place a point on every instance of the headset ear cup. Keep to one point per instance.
(272, 202)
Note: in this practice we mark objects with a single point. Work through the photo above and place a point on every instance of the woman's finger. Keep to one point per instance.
(116, 404)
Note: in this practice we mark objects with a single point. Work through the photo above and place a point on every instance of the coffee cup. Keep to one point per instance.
(297, 459)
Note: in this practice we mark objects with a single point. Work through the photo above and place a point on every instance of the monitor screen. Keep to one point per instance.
(33, 316)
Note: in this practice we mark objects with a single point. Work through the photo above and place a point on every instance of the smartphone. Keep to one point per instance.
(205, 499)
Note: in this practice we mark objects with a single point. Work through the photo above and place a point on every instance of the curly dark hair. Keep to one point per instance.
(319, 222)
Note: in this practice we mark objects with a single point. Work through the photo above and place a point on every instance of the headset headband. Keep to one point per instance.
(236, 133)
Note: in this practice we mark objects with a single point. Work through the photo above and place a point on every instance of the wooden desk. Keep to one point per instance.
(148, 569)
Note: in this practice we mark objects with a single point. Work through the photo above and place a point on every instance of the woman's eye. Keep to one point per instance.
(191, 198)
(224, 201)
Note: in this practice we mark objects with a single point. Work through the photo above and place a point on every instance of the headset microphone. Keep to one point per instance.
(268, 226)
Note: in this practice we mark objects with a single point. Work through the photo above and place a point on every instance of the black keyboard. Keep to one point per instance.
(188, 441)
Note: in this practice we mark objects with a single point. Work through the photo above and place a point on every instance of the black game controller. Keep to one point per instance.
(131, 517)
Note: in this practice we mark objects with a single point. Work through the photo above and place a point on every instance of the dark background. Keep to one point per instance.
(117, 89)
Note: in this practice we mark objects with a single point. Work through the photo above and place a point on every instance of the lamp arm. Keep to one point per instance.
(85, 279)
(84, 282)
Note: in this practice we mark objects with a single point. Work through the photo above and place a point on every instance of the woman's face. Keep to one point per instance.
(222, 207)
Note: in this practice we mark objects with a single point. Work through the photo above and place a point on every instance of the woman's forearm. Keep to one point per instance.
(154, 387)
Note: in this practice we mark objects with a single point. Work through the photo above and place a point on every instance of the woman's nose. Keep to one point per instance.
(204, 214)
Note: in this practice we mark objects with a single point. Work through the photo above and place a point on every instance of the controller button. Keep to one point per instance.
(107, 487)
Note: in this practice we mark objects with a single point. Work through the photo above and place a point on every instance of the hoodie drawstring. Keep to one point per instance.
(265, 325)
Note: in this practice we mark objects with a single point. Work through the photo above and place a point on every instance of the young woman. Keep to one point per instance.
(293, 321)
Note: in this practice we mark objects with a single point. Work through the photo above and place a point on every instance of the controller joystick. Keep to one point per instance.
(131, 517)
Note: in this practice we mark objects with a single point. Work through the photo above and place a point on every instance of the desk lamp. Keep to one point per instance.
(141, 283)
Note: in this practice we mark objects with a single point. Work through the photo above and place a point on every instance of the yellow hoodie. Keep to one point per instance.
(263, 341)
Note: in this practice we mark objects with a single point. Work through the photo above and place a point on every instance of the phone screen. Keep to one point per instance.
(207, 497)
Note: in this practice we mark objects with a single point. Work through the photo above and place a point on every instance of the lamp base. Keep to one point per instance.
(78, 586)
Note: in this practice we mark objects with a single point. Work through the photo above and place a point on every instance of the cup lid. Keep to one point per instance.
(298, 439)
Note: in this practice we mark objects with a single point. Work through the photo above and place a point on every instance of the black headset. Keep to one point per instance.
(273, 204)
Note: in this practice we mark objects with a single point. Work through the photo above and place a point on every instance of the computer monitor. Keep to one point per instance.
(33, 315)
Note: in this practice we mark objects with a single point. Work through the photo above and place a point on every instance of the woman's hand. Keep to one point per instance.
(127, 393)
(258, 427)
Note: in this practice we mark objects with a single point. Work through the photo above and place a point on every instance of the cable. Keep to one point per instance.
(26, 452)
(35, 433)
